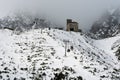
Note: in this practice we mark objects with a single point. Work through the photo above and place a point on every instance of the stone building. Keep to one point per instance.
(71, 26)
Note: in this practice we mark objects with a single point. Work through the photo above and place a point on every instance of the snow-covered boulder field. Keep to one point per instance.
(40, 55)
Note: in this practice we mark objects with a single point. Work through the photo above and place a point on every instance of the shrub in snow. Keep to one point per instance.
(118, 53)
(68, 50)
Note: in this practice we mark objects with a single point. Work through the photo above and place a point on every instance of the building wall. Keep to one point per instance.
(72, 26)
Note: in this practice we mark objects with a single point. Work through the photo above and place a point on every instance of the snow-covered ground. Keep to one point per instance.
(107, 44)
(40, 55)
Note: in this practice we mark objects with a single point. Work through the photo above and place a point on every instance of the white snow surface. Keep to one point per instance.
(30, 54)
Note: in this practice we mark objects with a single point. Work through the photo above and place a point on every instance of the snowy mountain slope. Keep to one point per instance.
(40, 54)
(106, 26)
(89, 50)
(107, 45)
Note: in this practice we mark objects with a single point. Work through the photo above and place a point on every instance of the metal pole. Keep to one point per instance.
(65, 49)
(65, 41)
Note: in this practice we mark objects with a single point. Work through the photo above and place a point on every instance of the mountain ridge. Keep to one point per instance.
(106, 26)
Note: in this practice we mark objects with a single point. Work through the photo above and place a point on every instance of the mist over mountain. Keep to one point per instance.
(59, 40)
(20, 22)
(107, 26)
(84, 12)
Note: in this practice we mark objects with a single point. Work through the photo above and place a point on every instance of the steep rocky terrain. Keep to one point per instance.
(22, 22)
(107, 26)
(40, 55)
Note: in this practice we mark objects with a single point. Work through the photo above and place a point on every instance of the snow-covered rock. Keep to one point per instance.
(40, 55)
(107, 26)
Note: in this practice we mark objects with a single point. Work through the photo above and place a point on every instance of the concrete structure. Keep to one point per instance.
(72, 26)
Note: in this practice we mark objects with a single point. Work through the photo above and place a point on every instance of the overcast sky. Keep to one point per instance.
(83, 11)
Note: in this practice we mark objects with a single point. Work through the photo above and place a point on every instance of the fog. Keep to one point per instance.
(85, 12)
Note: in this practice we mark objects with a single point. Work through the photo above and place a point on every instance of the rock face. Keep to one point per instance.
(21, 23)
(107, 26)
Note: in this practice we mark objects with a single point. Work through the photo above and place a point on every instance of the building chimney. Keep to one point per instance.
(69, 21)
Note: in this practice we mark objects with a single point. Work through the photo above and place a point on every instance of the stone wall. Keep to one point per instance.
(72, 26)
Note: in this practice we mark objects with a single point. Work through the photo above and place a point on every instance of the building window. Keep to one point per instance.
(71, 29)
